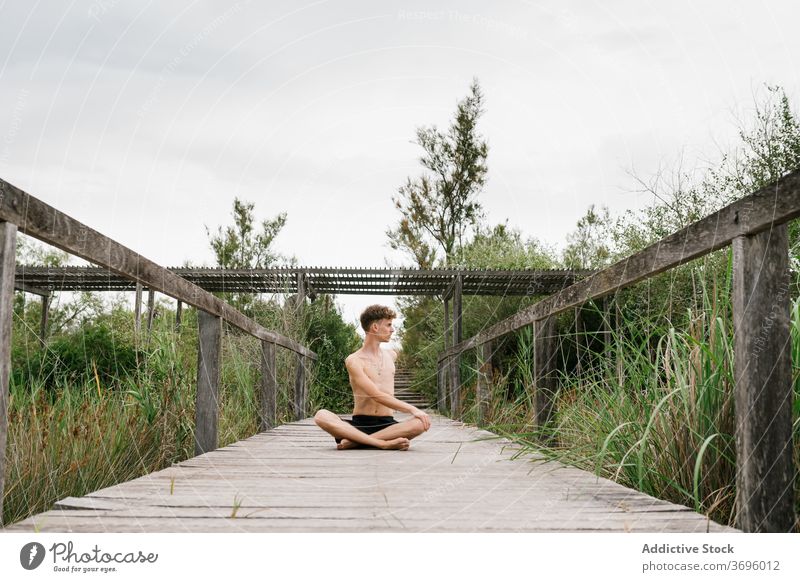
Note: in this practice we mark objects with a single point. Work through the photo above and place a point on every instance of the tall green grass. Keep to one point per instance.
(657, 417)
(71, 439)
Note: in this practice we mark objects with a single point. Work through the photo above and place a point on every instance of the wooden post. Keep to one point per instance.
(455, 361)
(578, 340)
(208, 373)
(544, 359)
(457, 336)
(448, 333)
(441, 386)
(8, 247)
(765, 479)
(618, 345)
(151, 305)
(606, 326)
(484, 381)
(137, 309)
(269, 385)
(300, 389)
(301, 289)
(178, 316)
(445, 371)
(45, 317)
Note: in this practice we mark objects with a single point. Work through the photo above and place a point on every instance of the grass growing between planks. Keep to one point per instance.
(71, 439)
(657, 418)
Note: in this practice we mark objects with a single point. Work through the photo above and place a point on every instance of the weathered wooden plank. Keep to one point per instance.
(151, 307)
(764, 391)
(484, 381)
(448, 481)
(299, 401)
(300, 298)
(42, 221)
(268, 386)
(60, 523)
(454, 373)
(544, 379)
(8, 247)
(178, 315)
(454, 389)
(21, 285)
(137, 309)
(209, 344)
(44, 319)
(441, 387)
(458, 288)
(774, 204)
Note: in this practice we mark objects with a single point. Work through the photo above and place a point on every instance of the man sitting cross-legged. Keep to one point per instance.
(371, 372)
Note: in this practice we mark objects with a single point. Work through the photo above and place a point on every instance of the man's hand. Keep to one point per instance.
(426, 420)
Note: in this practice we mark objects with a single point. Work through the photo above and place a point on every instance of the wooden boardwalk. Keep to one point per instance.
(292, 479)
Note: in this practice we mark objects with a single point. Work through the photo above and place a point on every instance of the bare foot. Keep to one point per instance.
(346, 444)
(400, 444)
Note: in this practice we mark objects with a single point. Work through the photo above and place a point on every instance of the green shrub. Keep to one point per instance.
(92, 352)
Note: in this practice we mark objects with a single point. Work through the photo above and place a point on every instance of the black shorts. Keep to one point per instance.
(368, 423)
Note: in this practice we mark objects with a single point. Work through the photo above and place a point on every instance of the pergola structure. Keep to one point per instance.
(449, 284)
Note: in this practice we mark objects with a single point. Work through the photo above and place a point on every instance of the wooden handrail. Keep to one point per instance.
(772, 205)
(19, 211)
(756, 228)
(40, 220)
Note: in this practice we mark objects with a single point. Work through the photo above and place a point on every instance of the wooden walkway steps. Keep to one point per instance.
(291, 478)
(404, 390)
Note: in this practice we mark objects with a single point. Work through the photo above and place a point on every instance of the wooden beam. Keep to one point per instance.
(301, 289)
(772, 205)
(22, 286)
(765, 479)
(269, 386)
(441, 387)
(454, 375)
(178, 315)
(8, 247)
(455, 362)
(448, 333)
(457, 309)
(333, 281)
(483, 389)
(579, 332)
(137, 309)
(300, 394)
(544, 379)
(209, 349)
(42, 221)
(151, 305)
(44, 319)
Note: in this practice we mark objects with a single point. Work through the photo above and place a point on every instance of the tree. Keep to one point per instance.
(438, 207)
(587, 247)
(241, 246)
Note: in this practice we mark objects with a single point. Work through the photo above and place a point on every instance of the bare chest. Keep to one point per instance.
(381, 372)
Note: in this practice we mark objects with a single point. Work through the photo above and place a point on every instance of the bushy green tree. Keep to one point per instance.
(247, 245)
(588, 247)
(500, 247)
(438, 207)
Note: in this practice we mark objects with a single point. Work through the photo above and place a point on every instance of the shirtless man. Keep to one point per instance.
(371, 372)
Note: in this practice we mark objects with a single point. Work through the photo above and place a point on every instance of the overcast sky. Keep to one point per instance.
(145, 119)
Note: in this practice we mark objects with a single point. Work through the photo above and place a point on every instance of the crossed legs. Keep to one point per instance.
(396, 436)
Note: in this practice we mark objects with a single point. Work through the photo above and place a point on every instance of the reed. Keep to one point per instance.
(657, 416)
(72, 439)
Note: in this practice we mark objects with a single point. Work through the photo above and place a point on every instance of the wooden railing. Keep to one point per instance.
(756, 226)
(21, 211)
